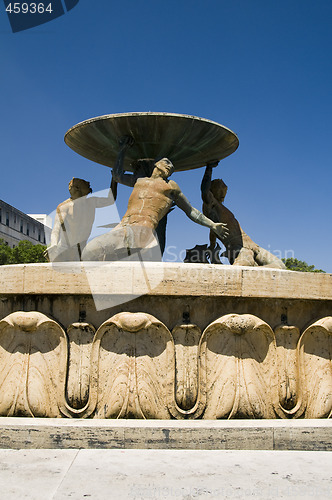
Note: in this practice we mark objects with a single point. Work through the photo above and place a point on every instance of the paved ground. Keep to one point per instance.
(164, 474)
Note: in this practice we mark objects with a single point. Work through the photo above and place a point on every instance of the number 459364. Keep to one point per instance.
(26, 8)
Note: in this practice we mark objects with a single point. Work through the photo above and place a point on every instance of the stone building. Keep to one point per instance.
(16, 226)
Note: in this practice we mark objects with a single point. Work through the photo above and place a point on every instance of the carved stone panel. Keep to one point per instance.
(133, 367)
(315, 356)
(186, 340)
(287, 338)
(238, 358)
(33, 360)
(80, 337)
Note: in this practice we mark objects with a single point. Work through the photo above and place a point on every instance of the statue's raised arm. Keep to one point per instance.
(206, 181)
(118, 174)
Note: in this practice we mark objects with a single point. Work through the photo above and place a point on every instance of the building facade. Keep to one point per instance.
(16, 226)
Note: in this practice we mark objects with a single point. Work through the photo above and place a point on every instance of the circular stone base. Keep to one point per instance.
(164, 341)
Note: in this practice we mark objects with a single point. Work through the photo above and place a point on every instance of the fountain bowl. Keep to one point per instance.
(188, 141)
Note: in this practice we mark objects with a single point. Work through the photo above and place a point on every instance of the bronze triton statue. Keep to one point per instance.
(150, 200)
(74, 220)
(240, 249)
(141, 168)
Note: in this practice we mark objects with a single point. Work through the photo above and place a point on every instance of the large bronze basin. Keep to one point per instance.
(188, 141)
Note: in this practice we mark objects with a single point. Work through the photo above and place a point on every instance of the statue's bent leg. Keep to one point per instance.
(70, 254)
(265, 258)
(99, 248)
(135, 243)
(245, 258)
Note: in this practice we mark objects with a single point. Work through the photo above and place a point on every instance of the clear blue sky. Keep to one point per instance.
(263, 69)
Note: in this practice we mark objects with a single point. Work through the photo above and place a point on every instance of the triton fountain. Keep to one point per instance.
(141, 339)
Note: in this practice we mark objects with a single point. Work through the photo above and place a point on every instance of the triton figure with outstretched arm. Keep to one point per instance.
(141, 168)
(151, 199)
(74, 220)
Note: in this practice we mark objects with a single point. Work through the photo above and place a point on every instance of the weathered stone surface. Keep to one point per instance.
(33, 360)
(132, 367)
(257, 357)
(315, 368)
(238, 359)
(80, 337)
(186, 342)
(287, 338)
(162, 434)
(176, 279)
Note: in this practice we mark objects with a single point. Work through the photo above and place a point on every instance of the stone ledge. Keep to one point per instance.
(37, 433)
(175, 279)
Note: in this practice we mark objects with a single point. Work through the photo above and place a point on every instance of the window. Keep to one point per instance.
(39, 236)
(21, 226)
(28, 230)
(0, 214)
(7, 219)
(15, 219)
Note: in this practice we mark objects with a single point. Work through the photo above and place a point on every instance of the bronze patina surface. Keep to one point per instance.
(188, 141)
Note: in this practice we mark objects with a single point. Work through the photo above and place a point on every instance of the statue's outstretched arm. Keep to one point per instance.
(105, 201)
(118, 174)
(195, 215)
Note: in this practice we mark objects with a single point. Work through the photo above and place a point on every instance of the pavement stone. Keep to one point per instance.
(164, 474)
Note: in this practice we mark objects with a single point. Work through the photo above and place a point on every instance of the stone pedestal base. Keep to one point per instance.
(37, 433)
(164, 341)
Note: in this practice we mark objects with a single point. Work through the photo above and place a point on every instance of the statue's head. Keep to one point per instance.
(163, 168)
(143, 167)
(79, 187)
(219, 189)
